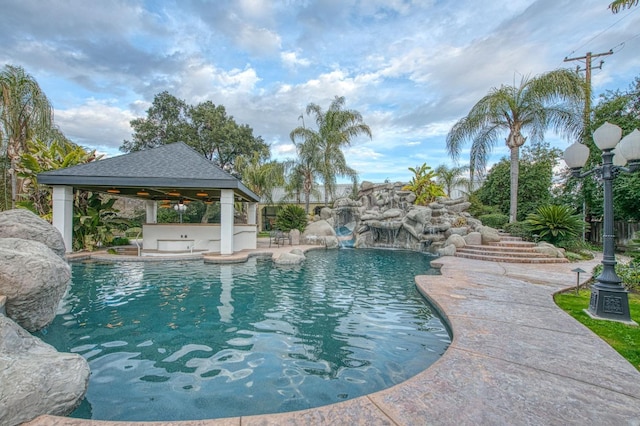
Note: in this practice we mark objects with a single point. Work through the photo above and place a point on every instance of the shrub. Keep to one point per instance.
(628, 273)
(291, 217)
(495, 220)
(518, 229)
(555, 224)
(120, 241)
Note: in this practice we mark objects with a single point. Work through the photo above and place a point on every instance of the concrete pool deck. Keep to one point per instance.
(515, 359)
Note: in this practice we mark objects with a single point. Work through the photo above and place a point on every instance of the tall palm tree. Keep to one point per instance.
(451, 177)
(553, 99)
(306, 168)
(25, 112)
(618, 5)
(336, 128)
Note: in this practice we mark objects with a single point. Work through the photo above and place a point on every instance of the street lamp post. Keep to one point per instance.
(609, 299)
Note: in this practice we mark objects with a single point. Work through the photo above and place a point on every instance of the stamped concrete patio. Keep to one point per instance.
(515, 359)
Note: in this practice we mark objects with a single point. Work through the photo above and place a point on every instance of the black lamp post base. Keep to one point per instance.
(610, 305)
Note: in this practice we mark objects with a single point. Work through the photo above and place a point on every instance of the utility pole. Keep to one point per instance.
(588, 58)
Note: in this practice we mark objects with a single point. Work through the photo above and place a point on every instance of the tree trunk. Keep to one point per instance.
(515, 172)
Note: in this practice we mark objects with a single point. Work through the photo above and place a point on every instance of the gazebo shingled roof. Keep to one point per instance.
(171, 167)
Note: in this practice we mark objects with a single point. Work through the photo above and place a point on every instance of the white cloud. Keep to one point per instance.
(95, 123)
(292, 61)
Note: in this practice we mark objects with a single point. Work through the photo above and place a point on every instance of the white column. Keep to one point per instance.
(152, 211)
(63, 214)
(226, 221)
(252, 209)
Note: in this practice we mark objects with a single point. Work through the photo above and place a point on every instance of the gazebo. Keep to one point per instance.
(170, 175)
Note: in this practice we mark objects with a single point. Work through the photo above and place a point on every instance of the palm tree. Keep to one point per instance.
(450, 178)
(336, 128)
(25, 112)
(552, 99)
(306, 168)
(260, 176)
(619, 5)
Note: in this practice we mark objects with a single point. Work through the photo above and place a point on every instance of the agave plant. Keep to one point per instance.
(555, 224)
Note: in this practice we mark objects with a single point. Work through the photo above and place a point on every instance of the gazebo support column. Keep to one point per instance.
(252, 209)
(152, 211)
(226, 221)
(63, 214)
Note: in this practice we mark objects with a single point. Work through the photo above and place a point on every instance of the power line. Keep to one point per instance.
(588, 58)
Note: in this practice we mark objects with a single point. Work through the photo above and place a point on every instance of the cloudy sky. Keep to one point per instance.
(410, 67)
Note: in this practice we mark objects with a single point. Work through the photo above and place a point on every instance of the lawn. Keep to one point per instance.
(623, 338)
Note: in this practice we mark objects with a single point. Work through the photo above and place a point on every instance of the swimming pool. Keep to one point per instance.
(185, 340)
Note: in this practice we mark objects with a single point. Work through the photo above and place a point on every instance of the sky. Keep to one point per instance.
(412, 68)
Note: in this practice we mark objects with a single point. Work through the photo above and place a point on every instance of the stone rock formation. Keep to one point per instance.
(320, 232)
(34, 279)
(35, 378)
(294, 257)
(20, 223)
(385, 216)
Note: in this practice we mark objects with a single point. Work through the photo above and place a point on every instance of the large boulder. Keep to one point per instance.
(294, 257)
(320, 228)
(549, 250)
(20, 223)
(473, 238)
(489, 235)
(447, 250)
(36, 379)
(455, 240)
(34, 280)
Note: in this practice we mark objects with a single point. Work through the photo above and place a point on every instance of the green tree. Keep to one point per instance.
(336, 128)
(618, 5)
(166, 122)
(423, 185)
(552, 100)
(25, 113)
(536, 170)
(452, 177)
(621, 107)
(205, 127)
(305, 169)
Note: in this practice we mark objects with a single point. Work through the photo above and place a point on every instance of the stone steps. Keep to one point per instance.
(509, 249)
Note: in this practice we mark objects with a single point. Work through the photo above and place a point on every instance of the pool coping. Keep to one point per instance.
(515, 358)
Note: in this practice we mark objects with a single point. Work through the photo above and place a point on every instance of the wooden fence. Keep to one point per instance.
(622, 230)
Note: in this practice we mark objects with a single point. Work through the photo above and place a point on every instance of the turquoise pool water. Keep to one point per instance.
(187, 340)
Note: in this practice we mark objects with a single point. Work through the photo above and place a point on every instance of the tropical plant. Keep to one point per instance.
(305, 170)
(41, 157)
(336, 128)
(93, 221)
(291, 217)
(451, 177)
(260, 176)
(423, 185)
(555, 224)
(618, 5)
(25, 113)
(552, 99)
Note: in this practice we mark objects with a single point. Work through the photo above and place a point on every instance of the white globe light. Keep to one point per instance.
(607, 136)
(576, 155)
(618, 159)
(629, 146)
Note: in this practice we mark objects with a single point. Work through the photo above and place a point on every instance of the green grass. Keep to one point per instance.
(621, 337)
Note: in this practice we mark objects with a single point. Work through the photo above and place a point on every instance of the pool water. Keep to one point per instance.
(185, 340)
